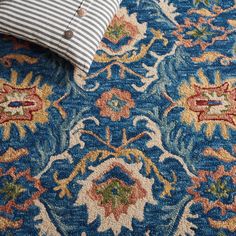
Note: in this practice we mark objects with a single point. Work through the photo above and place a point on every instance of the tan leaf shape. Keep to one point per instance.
(6, 223)
(232, 22)
(202, 12)
(12, 155)
(208, 57)
(221, 154)
(229, 224)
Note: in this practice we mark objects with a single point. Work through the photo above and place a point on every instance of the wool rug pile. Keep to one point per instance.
(144, 145)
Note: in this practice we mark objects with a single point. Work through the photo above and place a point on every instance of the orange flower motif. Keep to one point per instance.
(115, 104)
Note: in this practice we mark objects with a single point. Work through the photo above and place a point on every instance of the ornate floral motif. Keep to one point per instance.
(214, 103)
(208, 104)
(18, 104)
(115, 104)
(18, 190)
(117, 192)
(123, 33)
(24, 104)
(121, 151)
(202, 32)
(215, 189)
(120, 48)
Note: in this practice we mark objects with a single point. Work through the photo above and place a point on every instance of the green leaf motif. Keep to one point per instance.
(206, 2)
(220, 189)
(116, 31)
(11, 190)
(201, 33)
(115, 193)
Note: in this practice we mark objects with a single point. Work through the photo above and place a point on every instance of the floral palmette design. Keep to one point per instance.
(22, 104)
(116, 192)
(208, 104)
(14, 193)
(123, 33)
(215, 189)
(115, 104)
(214, 103)
(18, 104)
(19, 190)
(118, 47)
(202, 32)
(117, 152)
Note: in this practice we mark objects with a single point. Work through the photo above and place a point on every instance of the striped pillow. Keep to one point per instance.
(71, 28)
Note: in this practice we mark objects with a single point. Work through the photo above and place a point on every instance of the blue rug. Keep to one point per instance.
(144, 146)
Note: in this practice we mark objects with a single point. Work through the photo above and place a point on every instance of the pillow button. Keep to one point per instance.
(81, 12)
(68, 34)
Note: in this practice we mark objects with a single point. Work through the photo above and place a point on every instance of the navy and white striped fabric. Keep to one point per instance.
(46, 21)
